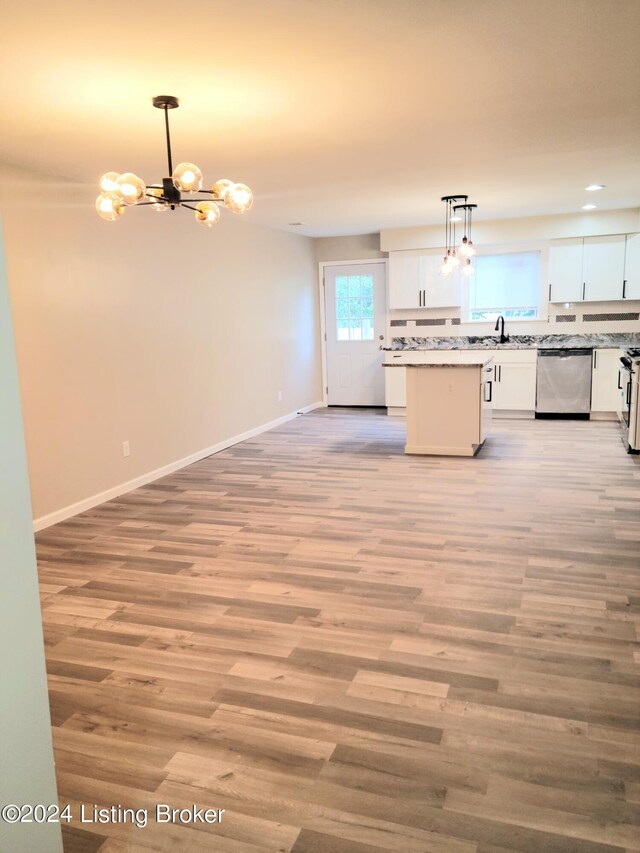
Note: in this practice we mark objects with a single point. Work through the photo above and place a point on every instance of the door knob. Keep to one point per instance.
(381, 337)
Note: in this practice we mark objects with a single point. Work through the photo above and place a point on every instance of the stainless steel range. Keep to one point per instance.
(629, 410)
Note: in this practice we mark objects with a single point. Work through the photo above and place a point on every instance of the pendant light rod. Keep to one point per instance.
(166, 124)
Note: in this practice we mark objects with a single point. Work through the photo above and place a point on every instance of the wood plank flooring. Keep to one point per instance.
(353, 651)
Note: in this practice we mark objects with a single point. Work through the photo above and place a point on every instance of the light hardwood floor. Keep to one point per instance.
(349, 649)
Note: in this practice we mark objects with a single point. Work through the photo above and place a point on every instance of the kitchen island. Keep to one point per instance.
(447, 397)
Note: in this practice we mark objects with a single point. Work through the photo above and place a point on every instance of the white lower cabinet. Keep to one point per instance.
(514, 380)
(605, 393)
(395, 387)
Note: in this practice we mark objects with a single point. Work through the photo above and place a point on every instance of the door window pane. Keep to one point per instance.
(354, 300)
(342, 288)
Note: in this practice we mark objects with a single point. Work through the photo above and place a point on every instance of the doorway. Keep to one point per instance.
(355, 319)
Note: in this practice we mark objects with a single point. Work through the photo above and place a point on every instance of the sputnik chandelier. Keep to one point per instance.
(466, 249)
(117, 192)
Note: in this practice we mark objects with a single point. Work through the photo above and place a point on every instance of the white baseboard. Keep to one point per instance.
(95, 500)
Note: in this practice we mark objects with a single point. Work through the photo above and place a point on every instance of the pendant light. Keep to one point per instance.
(119, 191)
(450, 261)
(466, 250)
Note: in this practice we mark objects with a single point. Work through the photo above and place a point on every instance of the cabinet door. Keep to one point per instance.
(632, 267)
(565, 270)
(516, 386)
(605, 393)
(405, 280)
(441, 291)
(395, 381)
(603, 267)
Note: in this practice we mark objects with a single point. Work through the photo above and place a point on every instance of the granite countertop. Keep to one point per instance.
(470, 342)
(476, 362)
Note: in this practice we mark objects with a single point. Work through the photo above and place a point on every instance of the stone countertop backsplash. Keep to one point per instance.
(596, 341)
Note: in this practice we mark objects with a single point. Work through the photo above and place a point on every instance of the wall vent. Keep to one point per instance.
(455, 321)
(600, 318)
(398, 323)
(565, 318)
(436, 321)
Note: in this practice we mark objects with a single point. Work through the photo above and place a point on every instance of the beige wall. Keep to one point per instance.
(358, 247)
(152, 330)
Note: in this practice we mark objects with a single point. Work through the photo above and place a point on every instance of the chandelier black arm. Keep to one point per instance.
(188, 206)
(166, 124)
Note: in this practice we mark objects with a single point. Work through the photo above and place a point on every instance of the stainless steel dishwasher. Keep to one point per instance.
(564, 382)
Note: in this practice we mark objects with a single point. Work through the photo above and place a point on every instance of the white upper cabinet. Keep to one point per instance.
(415, 281)
(632, 267)
(565, 270)
(441, 291)
(405, 281)
(603, 268)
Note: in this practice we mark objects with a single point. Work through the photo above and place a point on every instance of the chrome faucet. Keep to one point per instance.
(503, 338)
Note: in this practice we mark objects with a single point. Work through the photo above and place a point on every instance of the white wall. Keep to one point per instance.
(151, 330)
(26, 755)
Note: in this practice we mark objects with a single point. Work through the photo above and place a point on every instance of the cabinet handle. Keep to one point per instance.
(490, 384)
(549, 293)
(595, 358)
(495, 372)
(584, 287)
(420, 298)
(500, 373)
(619, 378)
(624, 289)
(629, 393)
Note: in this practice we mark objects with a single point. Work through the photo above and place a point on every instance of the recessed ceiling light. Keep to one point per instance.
(589, 206)
(593, 187)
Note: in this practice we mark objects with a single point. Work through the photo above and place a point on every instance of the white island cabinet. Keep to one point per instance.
(448, 398)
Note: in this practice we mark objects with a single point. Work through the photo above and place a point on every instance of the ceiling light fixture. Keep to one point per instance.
(589, 206)
(593, 187)
(466, 249)
(117, 192)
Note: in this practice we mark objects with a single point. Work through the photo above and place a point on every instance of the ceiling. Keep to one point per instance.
(345, 115)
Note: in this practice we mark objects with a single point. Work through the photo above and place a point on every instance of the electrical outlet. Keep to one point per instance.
(279, 396)
(126, 450)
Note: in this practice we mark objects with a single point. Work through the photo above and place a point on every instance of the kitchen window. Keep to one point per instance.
(507, 284)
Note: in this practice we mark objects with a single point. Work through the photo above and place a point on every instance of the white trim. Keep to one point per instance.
(323, 317)
(95, 500)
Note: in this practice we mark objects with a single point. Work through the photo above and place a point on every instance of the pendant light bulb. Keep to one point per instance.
(109, 206)
(131, 188)
(466, 248)
(239, 198)
(467, 269)
(187, 178)
(207, 213)
(222, 188)
(108, 182)
(159, 206)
